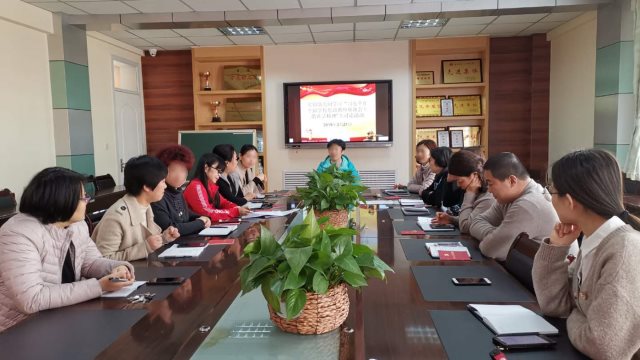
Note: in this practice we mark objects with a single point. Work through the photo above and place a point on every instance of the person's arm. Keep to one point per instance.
(418, 187)
(162, 217)
(21, 271)
(434, 198)
(94, 264)
(471, 208)
(198, 201)
(551, 279)
(495, 240)
(612, 323)
(225, 190)
(355, 172)
(108, 236)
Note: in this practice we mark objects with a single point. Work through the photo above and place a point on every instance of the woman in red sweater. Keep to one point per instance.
(206, 201)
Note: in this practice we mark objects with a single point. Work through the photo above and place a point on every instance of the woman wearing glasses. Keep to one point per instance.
(600, 290)
(229, 180)
(207, 200)
(48, 259)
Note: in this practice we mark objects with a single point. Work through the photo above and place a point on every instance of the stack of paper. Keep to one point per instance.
(182, 252)
(218, 230)
(413, 211)
(425, 224)
(512, 319)
(254, 205)
(125, 291)
(258, 214)
(378, 202)
(448, 250)
(411, 202)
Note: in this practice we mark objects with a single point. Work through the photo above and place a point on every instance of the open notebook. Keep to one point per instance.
(425, 224)
(218, 230)
(182, 252)
(512, 319)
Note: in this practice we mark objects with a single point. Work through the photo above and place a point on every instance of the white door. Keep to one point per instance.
(130, 131)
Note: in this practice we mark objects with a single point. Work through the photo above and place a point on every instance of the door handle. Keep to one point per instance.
(121, 165)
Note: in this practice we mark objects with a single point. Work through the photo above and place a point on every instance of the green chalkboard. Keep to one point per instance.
(201, 142)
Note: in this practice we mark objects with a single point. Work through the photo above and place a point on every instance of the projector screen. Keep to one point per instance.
(356, 112)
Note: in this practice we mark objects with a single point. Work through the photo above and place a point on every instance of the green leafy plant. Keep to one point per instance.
(310, 259)
(331, 189)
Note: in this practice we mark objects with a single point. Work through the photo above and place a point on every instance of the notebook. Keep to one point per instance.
(218, 230)
(397, 192)
(182, 252)
(254, 205)
(411, 202)
(448, 250)
(427, 226)
(414, 211)
(258, 214)
(125, 291)
(512, 320)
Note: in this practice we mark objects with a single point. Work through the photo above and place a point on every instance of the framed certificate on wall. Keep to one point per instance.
(466, 105)
(457, 138)
(443, 138)
(461, 71)
(427, 106)
(424, 77)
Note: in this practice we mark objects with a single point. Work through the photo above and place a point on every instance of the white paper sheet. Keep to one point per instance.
(125, 291)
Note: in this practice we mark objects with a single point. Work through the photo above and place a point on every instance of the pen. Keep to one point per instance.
(177, 257)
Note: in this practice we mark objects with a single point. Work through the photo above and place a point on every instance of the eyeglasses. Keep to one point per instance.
(86, 198)
(552, 190)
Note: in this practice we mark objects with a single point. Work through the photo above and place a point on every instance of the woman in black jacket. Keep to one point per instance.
(172, 210)
(229, 181)
(440, 192)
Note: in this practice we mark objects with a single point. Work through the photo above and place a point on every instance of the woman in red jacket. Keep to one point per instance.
(206, 200)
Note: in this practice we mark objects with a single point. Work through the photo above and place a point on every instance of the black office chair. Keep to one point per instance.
(7, 200)
(104, 182)
(519, 260)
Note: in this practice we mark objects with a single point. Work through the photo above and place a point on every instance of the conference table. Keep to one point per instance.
(414, 314)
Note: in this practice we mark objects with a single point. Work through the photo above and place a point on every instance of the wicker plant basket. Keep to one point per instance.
(337, 218)
(321, 313)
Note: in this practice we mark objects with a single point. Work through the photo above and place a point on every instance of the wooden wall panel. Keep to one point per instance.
(519, 99)
(168, 97)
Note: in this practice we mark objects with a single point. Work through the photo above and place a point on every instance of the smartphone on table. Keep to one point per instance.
(470, 281)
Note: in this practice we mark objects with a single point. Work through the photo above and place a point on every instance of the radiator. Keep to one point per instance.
(373, 179)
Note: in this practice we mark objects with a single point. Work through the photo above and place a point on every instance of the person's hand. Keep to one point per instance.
(475, 184)
(262, 177)
(400, 186)
(250, 196)
(108, 285)
(243, 210)
(442, 218)
(418, 167)
(170, 234)
(564, 234)
(205, 220)
(122, 272)
(155, 242)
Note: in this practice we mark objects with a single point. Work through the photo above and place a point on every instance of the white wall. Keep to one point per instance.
(26, 116)
(101, 51)
(327, 62)
(572, 89)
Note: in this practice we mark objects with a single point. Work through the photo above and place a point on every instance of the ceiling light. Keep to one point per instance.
(242, 30)
(416, 24)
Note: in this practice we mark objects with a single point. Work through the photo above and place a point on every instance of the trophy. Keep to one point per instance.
(206, 75)
(214, 107)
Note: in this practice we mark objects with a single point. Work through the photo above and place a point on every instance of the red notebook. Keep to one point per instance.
(453, 255)
(220, 241)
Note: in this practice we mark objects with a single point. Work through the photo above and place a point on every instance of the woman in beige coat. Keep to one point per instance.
(127, 230)
(250, 183)
(48, 259)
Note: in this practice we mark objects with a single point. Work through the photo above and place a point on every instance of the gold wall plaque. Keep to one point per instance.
(461, 71)
(466, 105)
(424, 77)
(242, 77)
(427, 106)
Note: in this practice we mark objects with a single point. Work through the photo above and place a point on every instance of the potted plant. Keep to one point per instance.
(305, 279)
(331, 193)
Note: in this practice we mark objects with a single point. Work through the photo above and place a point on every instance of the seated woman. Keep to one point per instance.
(128, 231)
(250, 183)
(600, 290)
(441, 192)
(207, 200)
(465, 168)
(48, 259)
(229, 180)
(336, 157)
(423, 176)
(172, 210)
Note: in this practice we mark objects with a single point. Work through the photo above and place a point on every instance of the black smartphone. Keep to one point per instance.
(530, 341)
(193, 244)
(468, 281)
(166, 281)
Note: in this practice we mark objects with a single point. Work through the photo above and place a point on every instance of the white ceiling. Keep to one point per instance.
(320, 21)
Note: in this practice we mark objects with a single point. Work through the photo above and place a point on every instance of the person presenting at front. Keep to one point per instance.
(48, 259)
(522, 205)
(229, 180)
(600, 290)
(202, 193)
(127, 231)
(441, 192)
(336, 157)
(172, 210)
(465, 168)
